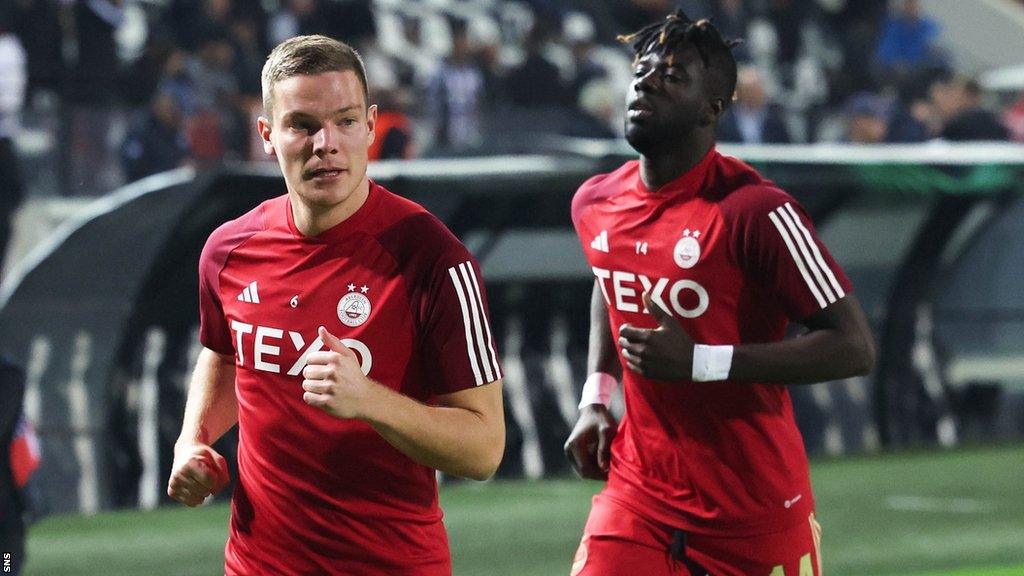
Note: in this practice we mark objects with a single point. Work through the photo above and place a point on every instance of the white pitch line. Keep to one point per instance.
(944, 505)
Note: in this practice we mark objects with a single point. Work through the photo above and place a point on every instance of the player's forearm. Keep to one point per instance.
(211, 408)
(462, 441)
(602, 354)
(821, 355)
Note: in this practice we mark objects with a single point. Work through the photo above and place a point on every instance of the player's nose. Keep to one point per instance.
(325, 141)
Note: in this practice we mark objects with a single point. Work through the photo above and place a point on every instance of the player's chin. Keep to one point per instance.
(324, 193)
(641, 137)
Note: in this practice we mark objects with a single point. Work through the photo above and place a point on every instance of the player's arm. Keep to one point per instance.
(463, 434)
(210, 410)
(601, 351)
(589, 445)
(838, 345)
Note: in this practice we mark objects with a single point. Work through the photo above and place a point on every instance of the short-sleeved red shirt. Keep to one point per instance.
(317, 494)
(734, 259)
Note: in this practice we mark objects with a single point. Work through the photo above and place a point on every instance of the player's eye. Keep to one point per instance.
(300, 126)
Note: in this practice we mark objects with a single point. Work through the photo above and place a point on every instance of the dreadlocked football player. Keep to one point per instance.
(700, 263)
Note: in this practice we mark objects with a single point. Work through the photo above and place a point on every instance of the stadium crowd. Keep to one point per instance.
(129, 89)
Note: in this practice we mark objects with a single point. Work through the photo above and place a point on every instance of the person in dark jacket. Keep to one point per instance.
(751, 119)
(156, 143)
(957, 100)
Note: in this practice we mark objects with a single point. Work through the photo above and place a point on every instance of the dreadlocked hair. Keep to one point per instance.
(679, 31)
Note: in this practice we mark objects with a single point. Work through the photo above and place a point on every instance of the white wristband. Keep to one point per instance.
(598, 389)
(711, 363)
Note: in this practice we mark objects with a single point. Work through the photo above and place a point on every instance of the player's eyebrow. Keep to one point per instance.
(299, 114)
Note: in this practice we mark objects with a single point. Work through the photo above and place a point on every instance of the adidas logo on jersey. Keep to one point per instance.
(601, 242)
(250, 294)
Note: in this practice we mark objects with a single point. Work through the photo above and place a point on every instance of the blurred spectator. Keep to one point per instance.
(857, 25)
(912, 120)
(176, 82)
(96, 71)
(93, 96)
(193, 20)
(578, 31)
(598, 109)
(215, 128)
(536, 82)
(788, 18)
(249, 56)
(908, 41)
(37, 25)
(350, 20)
(156, 143)
(751, 119)
(288, 21)
(731, 17)
(957, 102)
(13, 79)
(454, 96)
(142, 77)
(867, 118)
(1013, 117)
(393, 132)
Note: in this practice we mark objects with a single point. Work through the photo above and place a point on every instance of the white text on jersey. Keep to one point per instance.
(263, 352)
(627, 294)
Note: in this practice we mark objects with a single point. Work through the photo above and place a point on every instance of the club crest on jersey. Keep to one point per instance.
(354, 307)
(687, 250)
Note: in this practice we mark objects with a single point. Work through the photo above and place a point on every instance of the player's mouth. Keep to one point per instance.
(324, 174)
(638, 110)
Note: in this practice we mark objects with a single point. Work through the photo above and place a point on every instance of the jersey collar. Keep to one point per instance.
(354, 223)
(688, 184)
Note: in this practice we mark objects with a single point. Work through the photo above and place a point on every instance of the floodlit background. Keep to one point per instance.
(898, 124)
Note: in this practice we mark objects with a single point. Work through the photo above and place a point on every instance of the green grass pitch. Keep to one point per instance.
(957, 513)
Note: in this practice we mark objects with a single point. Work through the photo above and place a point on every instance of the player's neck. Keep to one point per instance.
(314, 219)
(658, 169)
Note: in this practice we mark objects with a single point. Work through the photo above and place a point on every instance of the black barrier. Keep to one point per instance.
(104, 317)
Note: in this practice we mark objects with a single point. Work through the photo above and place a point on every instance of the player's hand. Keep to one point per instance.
(198, 471)
(589, 447)
(662, 353)
(334, 381)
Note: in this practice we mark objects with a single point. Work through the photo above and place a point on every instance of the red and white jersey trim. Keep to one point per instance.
(479, 343)
(819, 277)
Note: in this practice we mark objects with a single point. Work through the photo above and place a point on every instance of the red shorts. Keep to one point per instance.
(618, 541)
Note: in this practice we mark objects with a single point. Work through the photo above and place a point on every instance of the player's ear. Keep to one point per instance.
(371, 124)
(713, 111)
(263, 127)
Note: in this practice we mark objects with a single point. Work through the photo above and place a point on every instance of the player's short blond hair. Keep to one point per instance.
(306, 56)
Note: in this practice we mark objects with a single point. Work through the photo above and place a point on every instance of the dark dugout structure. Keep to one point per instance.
(104, 316)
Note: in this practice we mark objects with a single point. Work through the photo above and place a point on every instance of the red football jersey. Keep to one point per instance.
(317, 494)
(734, 259)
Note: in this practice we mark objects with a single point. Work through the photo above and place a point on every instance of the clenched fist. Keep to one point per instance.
(589, 445)
(334, 382)
(198, 472)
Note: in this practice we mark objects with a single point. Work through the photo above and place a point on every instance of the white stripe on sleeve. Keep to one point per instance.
(817, 253)
(465, 319)
(487, 324)
(796, 257)
(477, 310)
(808, 259)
